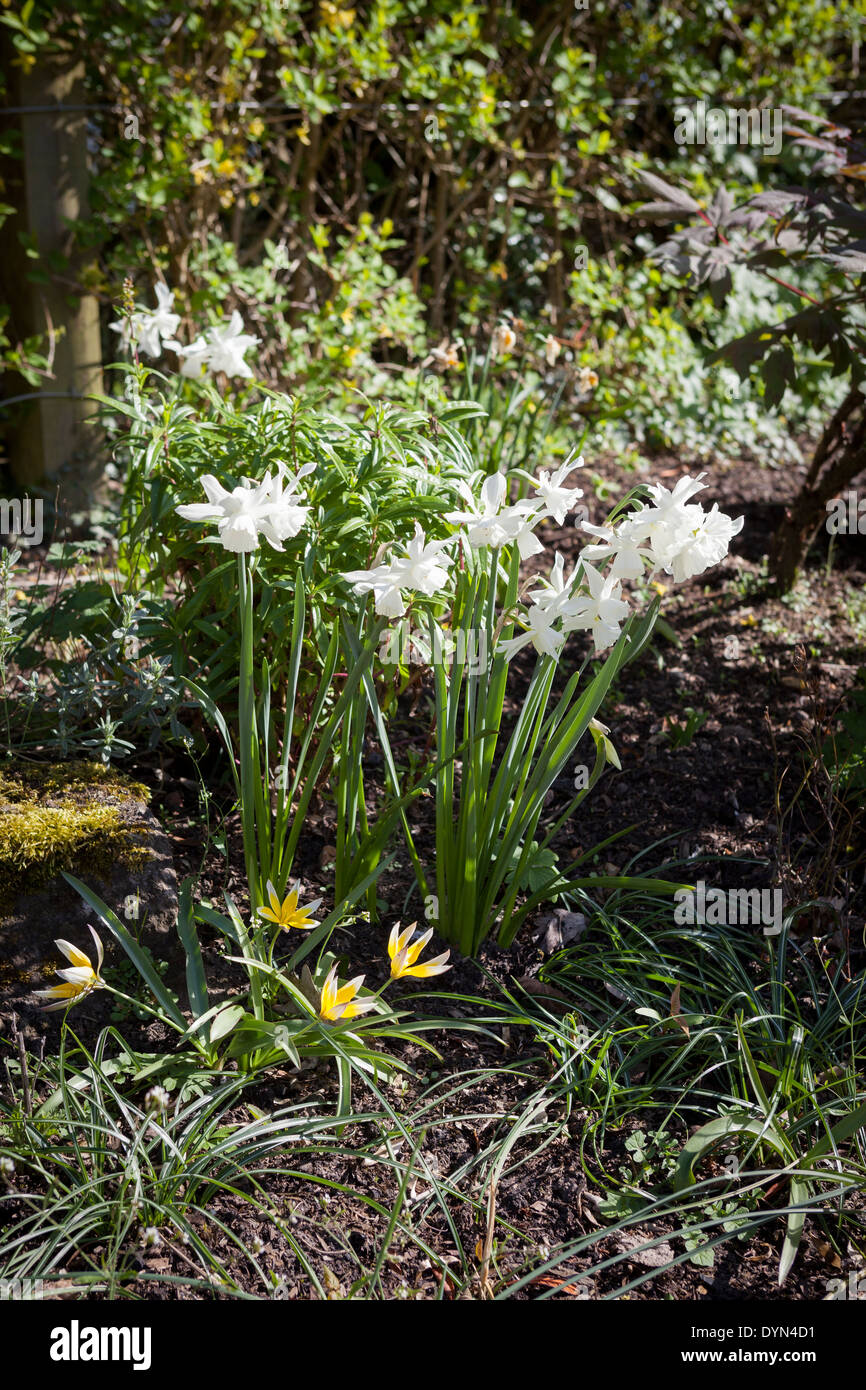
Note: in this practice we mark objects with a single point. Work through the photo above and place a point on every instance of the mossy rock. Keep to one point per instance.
(92, 822)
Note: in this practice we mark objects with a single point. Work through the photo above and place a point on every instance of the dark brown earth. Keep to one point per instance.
(769, 675)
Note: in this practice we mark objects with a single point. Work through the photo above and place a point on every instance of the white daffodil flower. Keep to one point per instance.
(379, 581)
(601, 610)
(556, 500)
(151, 329)
(423, 569)
(520, 520)
(286, 515)
(248, 511)
(628, 557)
(555, 593)
(194, 359)
(705, 543)
(219, 349)
(684, 539)
(661, 522)
(550, 603)
(486, 523)
(538, 625)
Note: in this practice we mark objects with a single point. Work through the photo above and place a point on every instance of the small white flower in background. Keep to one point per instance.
(257, 1245)
(602, 610)
(150, 1237)
(552, 349)
(503, 340)
(556, 500)
(445, 355)
(587, 380)
(248, 511)
(486, 523)
(7, 1167)
(158, 1099)
(152, 329)
(220, 349)
(423, 569)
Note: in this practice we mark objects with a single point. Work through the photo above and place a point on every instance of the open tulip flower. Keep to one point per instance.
(79, 980)
(287, 914)
(339, 1001)
(403, 955)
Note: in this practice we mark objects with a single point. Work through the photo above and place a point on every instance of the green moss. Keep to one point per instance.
(20, 781)
(56, 816)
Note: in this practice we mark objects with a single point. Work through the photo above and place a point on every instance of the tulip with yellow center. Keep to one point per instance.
(339, 1001)
(287, 914)
(79, 980)
(403, 955)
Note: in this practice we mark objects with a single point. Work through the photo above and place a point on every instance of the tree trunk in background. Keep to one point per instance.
(839, 457)
(51, 442)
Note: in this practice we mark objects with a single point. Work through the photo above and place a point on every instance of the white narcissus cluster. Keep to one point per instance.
(151, 329)
(673, 534)
(598, 608)
(253, 509)
(220, 348)
(492, 523)
(488, 522)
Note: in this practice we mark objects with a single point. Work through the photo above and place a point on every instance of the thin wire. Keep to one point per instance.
(520, 104)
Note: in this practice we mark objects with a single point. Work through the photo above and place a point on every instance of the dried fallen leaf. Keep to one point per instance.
(675, 1013)
(558, 928)
(533, 986)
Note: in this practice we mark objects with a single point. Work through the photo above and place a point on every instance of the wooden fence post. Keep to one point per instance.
(51, 441)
